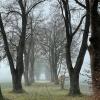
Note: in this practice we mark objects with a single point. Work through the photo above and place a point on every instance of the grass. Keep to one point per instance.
(41, 91)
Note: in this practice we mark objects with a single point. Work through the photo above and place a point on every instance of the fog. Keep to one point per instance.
(5, 75)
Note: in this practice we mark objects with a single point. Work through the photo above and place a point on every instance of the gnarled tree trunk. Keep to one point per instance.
(95, 47)
(1, 96)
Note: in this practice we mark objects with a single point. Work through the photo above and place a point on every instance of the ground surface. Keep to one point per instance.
(41, 91)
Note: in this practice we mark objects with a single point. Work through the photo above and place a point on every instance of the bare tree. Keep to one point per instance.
(30, 49)
(52, 43)
(75, 70)
(17, 71)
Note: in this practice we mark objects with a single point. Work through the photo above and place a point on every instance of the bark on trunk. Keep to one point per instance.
(56, 81)
(53, 66)
(52, 76)
(17, 85)
(31, 72)
(62, 81)
(95, 44)
(74, 76)
(27, 83)
(32, 60)
(52, 72)
(74, 85)
(26, 70)
(1, 96)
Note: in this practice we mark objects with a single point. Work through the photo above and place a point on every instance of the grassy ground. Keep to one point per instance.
(41, 92)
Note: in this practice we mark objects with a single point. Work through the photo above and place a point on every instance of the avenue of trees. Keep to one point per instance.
(60, 39)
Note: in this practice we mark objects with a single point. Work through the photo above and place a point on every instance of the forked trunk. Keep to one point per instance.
(18, 71)
(73, 75)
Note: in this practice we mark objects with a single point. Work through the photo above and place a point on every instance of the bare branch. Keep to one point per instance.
(33, 6)
(10, 59)
(61, 9)
(21, 6)
(78, 26)
(80, 4)
(13, 11)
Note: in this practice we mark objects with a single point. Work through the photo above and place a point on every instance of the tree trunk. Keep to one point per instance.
(52, 74)
(31, 74)
(74, 84)
(73, 75)
(95, 71)
(62, 81)
(91, 53)
(53, 65)
(1, 96)
(29, 59)
(95, 47)
(26, 69)
(31, 71)
(32, 60)
(56, 69)
(56, 81)
(17, 85)
(26, 79)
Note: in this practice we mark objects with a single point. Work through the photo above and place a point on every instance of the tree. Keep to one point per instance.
(52, 43)
(27, 51)
(75, 70)
(30, 49)
(56, 48)
(17, 70)
(94, 48)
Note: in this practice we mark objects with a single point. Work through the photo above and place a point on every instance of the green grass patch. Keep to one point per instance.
(41, 91)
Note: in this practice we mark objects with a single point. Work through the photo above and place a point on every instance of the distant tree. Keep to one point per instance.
(28, 48)
(30, 52)
(52, 43)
